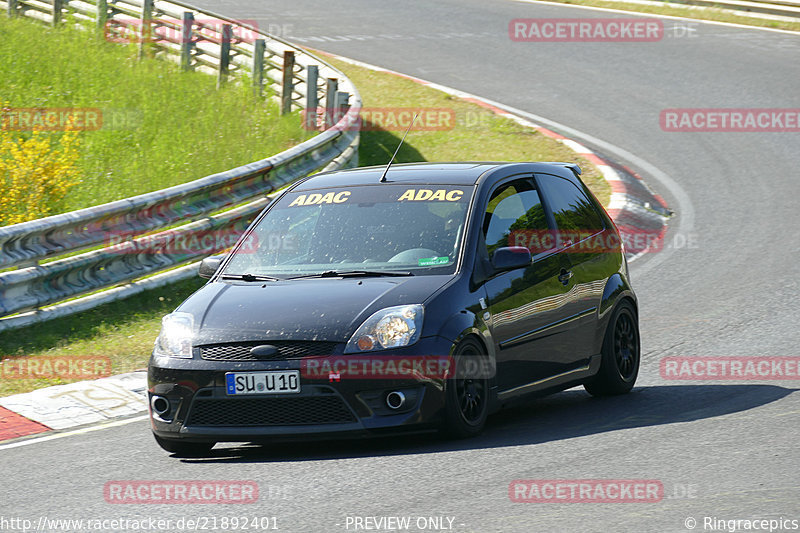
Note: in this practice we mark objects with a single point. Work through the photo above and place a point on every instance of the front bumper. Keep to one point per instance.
(200, 409)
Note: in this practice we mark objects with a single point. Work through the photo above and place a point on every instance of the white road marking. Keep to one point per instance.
(73, 432)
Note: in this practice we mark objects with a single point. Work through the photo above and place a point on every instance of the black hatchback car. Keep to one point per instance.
(424, 299)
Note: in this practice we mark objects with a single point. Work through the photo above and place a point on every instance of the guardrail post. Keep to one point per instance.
(146, 35)
(102, 14)
(312, 101)
(287, 84)
(186, 40)
(58, 5)
(13, 7)
(258, 66)
(331, 86)
(342, 103)
(224, 55)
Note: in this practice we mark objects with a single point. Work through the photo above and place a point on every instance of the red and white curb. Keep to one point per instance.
(635, 209)
(77, 404)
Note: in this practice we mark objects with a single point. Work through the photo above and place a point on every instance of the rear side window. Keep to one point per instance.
(513, 208)
(571, 208)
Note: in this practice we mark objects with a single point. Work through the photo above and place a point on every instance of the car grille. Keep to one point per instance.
(286, 350)
(269, 411)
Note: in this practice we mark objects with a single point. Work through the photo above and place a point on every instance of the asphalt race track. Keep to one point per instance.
(726, 284)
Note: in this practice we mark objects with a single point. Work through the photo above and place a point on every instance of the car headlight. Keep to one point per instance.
(388, 328)
(175, 338)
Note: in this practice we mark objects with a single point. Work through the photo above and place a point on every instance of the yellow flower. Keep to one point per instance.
(36, 172)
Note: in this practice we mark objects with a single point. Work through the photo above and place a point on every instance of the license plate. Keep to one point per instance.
(278, 382)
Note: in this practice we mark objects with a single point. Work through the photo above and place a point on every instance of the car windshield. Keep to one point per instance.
(380, 229)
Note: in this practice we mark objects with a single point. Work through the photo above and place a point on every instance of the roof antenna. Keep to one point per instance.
(383, 178)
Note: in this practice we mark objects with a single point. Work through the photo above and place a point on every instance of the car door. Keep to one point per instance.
(593, 255)
(526, 304)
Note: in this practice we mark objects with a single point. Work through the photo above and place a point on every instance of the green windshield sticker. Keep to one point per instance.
(433, 261)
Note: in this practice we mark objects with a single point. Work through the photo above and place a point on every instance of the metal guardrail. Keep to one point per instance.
(78, 260)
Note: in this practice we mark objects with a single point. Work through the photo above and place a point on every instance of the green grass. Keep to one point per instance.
(692, 12)
(179, 127)
(125, 330)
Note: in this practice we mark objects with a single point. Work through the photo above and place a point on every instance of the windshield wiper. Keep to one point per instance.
(354, 274)
(249, 277)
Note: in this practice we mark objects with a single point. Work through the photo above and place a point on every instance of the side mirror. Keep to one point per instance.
(511, 257)
(209, 266)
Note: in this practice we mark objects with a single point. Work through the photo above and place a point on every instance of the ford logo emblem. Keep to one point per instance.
(265, 350)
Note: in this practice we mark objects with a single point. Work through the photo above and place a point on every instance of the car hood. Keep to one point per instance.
(308, 309)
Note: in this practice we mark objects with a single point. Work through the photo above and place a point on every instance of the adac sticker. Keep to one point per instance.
(429, 195)
(433, 261)
(317, 198)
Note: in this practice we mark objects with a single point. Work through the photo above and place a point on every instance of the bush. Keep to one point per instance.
(36, 171)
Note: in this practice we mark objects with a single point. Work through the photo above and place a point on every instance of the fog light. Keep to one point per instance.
(160, 405)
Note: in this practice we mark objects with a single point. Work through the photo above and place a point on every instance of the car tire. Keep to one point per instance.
(620, 356)
(467, 398)
(184, 449)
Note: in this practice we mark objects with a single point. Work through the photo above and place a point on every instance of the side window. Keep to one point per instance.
(571, 208)
(512, 210)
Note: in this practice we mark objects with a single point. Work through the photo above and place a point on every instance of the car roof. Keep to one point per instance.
(465, 173)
